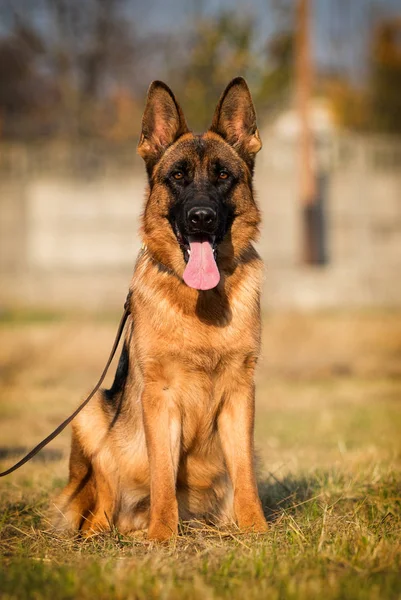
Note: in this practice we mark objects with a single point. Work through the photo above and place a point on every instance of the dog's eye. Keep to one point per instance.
(223, 174)
(178, 175)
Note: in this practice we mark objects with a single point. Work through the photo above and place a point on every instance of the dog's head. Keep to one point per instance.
(200, 217)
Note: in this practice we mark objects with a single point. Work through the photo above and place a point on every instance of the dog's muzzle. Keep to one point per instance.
(199, 244)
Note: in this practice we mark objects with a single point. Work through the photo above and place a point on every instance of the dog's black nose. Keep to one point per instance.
(202, 219)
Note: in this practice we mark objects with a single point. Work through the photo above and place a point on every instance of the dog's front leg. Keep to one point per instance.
(236, 425)
(163, 433)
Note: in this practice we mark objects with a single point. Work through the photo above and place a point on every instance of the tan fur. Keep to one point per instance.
(179, 441)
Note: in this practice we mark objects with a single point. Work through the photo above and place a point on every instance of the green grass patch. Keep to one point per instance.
(328, 424)
(331, 535)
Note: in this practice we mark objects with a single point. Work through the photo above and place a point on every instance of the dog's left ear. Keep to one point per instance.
(235, 120)
(163, 122)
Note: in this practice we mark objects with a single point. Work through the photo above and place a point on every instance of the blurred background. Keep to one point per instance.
(326, 81)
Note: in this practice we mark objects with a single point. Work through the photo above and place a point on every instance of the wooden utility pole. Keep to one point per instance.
(303, 88)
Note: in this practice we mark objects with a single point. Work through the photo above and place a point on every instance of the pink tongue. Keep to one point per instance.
(201, 271)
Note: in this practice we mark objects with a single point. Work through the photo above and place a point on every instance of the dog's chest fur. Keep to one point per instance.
(191, 353)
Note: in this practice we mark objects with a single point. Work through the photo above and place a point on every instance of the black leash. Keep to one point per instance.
(64, 424)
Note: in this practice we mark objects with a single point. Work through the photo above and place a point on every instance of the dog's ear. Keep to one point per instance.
(235, 120)
(163, 122)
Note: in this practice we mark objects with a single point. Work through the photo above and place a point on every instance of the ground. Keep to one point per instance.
(328, 435)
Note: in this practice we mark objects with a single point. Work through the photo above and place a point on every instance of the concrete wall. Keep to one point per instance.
(69, 239)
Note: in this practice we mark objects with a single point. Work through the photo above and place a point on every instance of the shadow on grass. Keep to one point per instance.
(277, 496)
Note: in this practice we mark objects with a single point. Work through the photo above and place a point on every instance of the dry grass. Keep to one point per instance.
(328, 431)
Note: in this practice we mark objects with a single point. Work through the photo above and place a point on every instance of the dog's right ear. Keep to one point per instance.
(235, 120)
(163, 122)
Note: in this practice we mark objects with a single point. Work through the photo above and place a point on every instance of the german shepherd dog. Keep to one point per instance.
(173, 437)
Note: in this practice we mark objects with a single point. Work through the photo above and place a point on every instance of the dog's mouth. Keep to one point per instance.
(200, 253)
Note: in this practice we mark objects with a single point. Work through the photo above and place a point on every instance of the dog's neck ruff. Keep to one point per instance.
(162, 268)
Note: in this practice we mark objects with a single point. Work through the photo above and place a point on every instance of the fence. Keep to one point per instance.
(70, 218)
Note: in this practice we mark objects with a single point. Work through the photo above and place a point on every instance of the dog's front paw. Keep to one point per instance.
(251, 518)
(254, 524)
(160, 532)
(163, 525)
(94, 524)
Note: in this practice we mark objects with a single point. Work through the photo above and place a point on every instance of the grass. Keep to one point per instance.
(328, 432)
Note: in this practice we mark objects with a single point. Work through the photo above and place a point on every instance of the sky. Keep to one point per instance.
(340, 28)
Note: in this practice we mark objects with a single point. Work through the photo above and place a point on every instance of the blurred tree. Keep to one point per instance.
(94, 67)
(22, 88)
(350, 103)
(376, 105)
(224, 46)
(276, 82)
(119, 118)
(94, 53)
(219, 49)
(275, 90)
(65, 81)
(386, 77)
